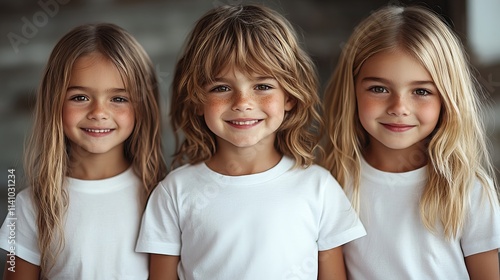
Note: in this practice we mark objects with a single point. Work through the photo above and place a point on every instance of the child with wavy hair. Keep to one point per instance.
(407, 142)
(249, 203)
(92, 159)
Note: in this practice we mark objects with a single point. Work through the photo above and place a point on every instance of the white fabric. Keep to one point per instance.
(397, 244)
(269, 225)
(100, 231)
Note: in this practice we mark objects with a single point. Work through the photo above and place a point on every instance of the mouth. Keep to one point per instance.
(398, 127)
(92, 130)
(244, 123)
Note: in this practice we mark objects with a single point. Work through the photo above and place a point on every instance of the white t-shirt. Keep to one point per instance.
(100, 231)
(269, 225)
(398, 246)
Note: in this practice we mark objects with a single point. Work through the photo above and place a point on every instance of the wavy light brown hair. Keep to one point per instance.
(47, 150)
(457, 151)
(254, 39)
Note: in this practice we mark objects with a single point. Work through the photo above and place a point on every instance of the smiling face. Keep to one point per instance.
(245, 111)
(98, 115)
(398, 102)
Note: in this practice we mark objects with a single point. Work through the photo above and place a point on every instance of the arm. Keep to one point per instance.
(331, 264)
(163, 267)
(484, 265)
(23, 271)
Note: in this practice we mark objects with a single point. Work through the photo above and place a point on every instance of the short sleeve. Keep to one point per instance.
(482, 229)
(160, 230)
(339, 223)
(18, 234)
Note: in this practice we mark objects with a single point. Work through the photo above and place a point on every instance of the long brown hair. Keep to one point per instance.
(47, 153)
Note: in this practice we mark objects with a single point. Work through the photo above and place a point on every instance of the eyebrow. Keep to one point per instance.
(87, 89)
(382, 80)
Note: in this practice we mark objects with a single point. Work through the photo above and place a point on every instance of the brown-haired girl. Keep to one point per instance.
(93, 157)
(249, 203)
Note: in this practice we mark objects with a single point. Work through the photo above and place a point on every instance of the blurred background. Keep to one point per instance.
(29, 30)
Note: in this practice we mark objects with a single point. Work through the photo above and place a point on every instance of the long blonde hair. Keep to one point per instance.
(255, 39)
(457, 150)
(47, 150)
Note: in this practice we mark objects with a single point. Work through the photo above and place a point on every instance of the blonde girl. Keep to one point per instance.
(93, 157)
(407, 142)
(247, 202)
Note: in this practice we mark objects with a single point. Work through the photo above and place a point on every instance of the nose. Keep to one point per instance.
(399, 105)
(98, 111)
(242, 101)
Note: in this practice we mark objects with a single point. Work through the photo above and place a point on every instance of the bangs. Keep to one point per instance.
(251, 50)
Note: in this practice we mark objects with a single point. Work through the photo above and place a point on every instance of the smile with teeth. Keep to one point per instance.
(244, 122)
(97, 130)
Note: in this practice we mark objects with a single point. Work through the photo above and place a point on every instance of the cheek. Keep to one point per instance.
(69, 116)
(216, 104)
(366, 109)
(270, 100)
(430, 114)
(273, 103)
(125, 116)
(212, 111)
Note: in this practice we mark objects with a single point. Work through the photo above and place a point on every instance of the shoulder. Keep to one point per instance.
(314, 170)
(25, 193)
(483, 192)
(22, 206)
(317, 169)
(313, 175)
(24, 197)
(183, 174)
(482, 226)
(185, 169)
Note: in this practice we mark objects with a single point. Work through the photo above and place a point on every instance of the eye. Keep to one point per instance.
(422, 92)
(378, 89)
(79, 98)
(263, 87)
(119, 99)
(220, 89)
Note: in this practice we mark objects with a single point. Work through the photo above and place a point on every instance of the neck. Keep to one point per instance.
(88, 166)
(396, 161)
(244, 161)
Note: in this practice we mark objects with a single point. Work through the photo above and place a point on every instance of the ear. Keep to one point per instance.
(290, 102)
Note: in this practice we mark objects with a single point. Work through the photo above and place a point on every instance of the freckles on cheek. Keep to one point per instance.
(273, 99)
(216, 105)
(216, 102)
(272, 102)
